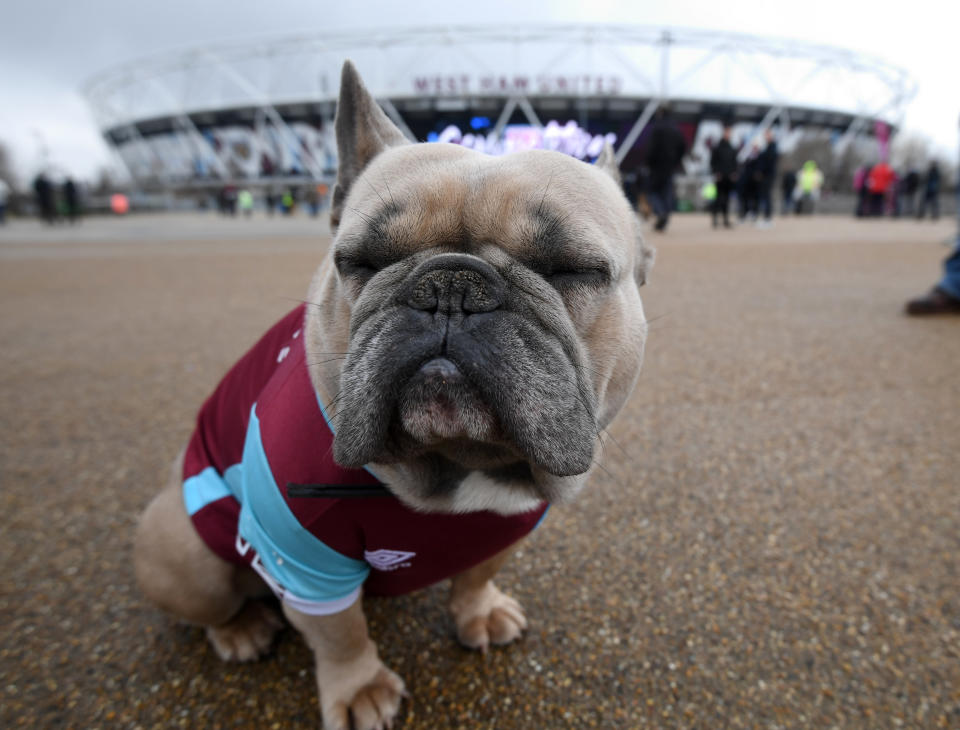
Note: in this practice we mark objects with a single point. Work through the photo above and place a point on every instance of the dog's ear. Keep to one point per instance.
(607, 161)
(646, 254)
(363, 132)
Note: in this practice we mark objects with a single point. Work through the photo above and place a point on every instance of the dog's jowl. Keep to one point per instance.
(475, 325)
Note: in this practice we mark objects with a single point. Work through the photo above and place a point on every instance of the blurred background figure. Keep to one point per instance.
(862, 207)
(288, 201)
(880, 182)
(944, 298)
(119, 204)
(4, 197)
(245, 202)
(71, 200)
(313, 201)
(642, 190)
(723, 165)
(931, 193)
(911, 183)
(748, 192)
(788, 188)
(708, 194)
(767, 174)
(323, 190)
(46, 204)
(666, 151)
(811, 181)
(228, 200)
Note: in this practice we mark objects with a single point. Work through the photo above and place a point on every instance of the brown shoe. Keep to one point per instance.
(936, 302)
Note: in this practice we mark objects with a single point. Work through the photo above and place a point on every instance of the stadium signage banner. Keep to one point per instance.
(570, 139)
(518, 84)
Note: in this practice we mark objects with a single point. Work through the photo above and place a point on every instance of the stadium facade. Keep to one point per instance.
(261, 112)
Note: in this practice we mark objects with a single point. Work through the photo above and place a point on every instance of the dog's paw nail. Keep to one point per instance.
(496, 619)
(247, 636)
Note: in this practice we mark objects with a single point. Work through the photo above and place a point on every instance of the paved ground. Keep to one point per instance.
(773, 542)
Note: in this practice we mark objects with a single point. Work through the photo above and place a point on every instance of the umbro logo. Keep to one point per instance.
(388, 559)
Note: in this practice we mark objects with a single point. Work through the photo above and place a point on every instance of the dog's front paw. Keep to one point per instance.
(487, 616)
(248, 635)
(361, 694)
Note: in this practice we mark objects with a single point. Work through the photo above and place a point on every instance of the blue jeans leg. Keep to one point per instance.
(950, 282)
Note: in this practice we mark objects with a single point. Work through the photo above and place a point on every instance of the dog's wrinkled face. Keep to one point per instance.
(494, 320)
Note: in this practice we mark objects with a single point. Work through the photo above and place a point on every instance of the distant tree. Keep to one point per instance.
(104, 184)
(909, 151)
(6, 167)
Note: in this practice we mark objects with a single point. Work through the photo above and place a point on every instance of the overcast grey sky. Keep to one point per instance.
(48, 48)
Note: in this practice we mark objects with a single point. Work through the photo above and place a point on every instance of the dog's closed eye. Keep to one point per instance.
(355, 266)
(563, 279)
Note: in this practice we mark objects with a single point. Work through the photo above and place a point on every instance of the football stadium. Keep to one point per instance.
(260, 113)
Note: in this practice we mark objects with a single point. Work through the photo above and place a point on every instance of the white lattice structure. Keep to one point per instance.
(262, 109)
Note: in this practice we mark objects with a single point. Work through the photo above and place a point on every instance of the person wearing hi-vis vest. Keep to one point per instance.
(811, 180)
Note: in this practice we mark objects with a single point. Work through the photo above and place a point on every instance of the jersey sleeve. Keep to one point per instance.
(212, 460)
(221, 427)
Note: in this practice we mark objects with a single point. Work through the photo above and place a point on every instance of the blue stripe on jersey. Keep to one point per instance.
(542, 518)
(208, 486)
(286, 548)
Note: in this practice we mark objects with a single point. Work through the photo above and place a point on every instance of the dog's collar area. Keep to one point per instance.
(337, 491)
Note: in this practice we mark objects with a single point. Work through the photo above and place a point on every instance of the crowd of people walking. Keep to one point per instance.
(742, 177)
(57, 202)
(750, 180)
(882, 191)
(313, 197)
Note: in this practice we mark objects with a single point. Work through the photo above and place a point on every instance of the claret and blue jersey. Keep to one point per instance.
(264, 429)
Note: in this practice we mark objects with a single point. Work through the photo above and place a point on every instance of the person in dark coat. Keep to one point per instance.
(45, 199)
(748, 187)
(788, 184)
(664, 154)
(71, 200)
(911, 183)
(931, 193)
(767, 174)
(723, 165)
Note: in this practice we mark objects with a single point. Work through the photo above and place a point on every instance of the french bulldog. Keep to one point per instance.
(475, 325)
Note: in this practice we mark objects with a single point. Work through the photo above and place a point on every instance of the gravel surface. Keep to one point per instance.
(772, 541)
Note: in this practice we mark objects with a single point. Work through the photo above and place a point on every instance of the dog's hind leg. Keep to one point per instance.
(484, 614)
(178, 572)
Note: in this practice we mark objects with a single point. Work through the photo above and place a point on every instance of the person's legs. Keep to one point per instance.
(670, 200)
(766, 201)
(861, 209)
(950, 283)
(723, 200)
(944, 298)
(660, 200)
(656, 202)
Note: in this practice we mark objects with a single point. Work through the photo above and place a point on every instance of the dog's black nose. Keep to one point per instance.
(452, 283)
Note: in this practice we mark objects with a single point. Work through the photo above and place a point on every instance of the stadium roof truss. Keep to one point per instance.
(508, 68)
